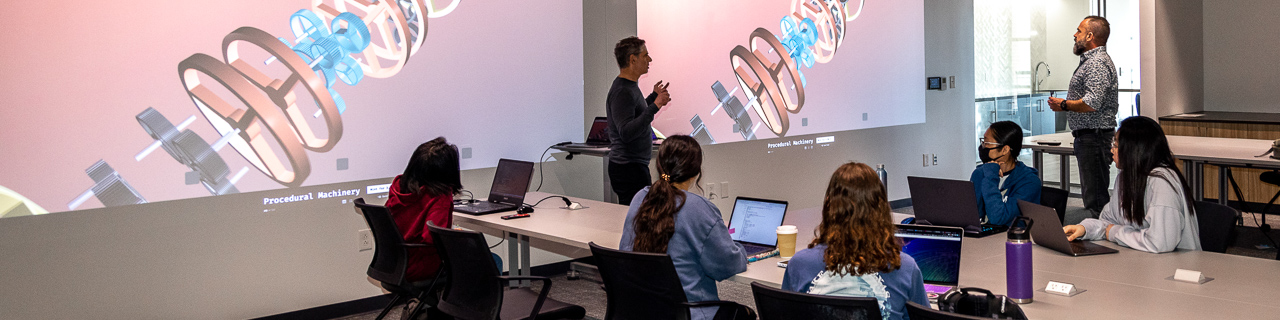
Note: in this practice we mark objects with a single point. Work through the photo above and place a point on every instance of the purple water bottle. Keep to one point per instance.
(1017, 261)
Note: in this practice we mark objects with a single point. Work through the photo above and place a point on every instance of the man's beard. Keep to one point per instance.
(1079, 48)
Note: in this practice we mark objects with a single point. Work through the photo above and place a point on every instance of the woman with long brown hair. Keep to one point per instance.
(667, 218)
(855, 252)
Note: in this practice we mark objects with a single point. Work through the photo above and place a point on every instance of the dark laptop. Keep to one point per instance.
(754, 223)
(597, 137)
(507, 193)
(1046, 231)
(951, 203)
(936, 250)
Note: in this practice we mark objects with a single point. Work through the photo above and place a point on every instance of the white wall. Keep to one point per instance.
(1240, 47)
(205, 259)
(1173, 60)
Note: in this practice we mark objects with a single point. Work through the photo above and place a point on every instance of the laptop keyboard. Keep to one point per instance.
(480, 206)
(754, 249)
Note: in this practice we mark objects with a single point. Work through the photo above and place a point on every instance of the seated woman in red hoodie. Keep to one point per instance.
(425, 193)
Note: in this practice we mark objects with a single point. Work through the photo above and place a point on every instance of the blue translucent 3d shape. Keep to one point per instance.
(799, 39)
(328, 49)
(109, 187)
(191, 150)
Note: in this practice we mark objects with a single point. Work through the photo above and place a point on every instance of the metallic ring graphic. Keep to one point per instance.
(758, 89)
(783, 67)
(261, 123)
(416, 18)
(281, 90)
(830, 21)
(434, 11)
(391, 46)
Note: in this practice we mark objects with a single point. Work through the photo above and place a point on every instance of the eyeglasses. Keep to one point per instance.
(984, 142)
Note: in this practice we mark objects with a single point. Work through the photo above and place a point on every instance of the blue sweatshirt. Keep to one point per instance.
(807, 273)
(701, 248)
(998, 202)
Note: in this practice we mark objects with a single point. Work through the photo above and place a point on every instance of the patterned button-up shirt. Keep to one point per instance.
(1095, 83)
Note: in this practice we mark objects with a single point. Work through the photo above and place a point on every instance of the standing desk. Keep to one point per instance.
(600, 222)
(1194, 152)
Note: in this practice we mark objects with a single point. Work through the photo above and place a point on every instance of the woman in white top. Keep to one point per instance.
(1151, 208)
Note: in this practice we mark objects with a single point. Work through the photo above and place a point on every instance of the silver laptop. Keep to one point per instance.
(510, 183)
(597, 137)
(1046, 231)
(936, 250)
(754, 223)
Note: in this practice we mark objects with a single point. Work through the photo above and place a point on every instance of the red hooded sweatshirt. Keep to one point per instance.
(411, 213)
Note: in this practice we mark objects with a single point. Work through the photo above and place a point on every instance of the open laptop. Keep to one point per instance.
(952, 203)
(936, 250)
(507, 193)
(597, 137)
(754, 223)
(1046, 231)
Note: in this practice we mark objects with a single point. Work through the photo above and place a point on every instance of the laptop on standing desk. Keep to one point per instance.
(936, 250)
(951, 203)
(510, 183)
(1047, 232)
(597, 137)
(754, 223)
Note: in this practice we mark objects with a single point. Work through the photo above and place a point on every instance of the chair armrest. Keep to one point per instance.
(542, 294)
(721, 303)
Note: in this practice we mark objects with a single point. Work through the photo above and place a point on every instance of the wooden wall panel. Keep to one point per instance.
(1247, 178)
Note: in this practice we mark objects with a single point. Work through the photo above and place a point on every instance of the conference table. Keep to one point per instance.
(1194, 152)
(1129, 284)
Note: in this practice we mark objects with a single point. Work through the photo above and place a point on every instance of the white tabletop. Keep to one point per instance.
(600, 222)
(1226, 151)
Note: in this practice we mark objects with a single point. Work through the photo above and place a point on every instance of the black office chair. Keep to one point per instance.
(915, 311)
(477, 291)
(774, 303)
(391, 258)
(1055, 198)
(641, 285)
(1217, 225)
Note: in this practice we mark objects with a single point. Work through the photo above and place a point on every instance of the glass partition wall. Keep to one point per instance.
(1023, 56)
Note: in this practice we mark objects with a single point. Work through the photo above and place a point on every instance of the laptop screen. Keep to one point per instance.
(936, 251)
(598, 133)
(756, 221)
(511, 181)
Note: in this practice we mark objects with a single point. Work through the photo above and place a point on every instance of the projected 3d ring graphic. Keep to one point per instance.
(795, 63)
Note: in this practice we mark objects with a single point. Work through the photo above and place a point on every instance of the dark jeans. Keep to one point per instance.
(1093, 156)
(627, 179)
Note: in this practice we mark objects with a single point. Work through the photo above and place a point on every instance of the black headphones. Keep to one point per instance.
(980, 303)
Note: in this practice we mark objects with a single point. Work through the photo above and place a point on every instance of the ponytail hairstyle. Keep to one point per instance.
(1143, 148)
(433, 169)
(856, 224)
(679, 159)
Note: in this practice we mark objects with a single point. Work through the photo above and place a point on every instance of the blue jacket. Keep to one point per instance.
(701, 248)
(902, 285)
(1022, 184)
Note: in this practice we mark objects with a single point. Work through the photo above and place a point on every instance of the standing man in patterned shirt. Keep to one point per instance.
(1090, 106)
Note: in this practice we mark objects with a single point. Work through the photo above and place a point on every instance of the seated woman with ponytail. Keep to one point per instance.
(667, 218)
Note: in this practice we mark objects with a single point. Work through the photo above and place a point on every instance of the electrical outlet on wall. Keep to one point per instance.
(365, 237)
(711, 191)
(952, 82)
(927, 160)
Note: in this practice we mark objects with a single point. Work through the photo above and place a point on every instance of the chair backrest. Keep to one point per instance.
(1217, 224)
(639, 285)
(773, 303)
(474, 290)
(390, 258)
(1055, 198)
(916, 311)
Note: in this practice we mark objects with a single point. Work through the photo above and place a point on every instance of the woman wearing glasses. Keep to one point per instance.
(1151, 208)
(1001, 180)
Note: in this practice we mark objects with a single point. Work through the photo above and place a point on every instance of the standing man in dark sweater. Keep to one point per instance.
(630, 114)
